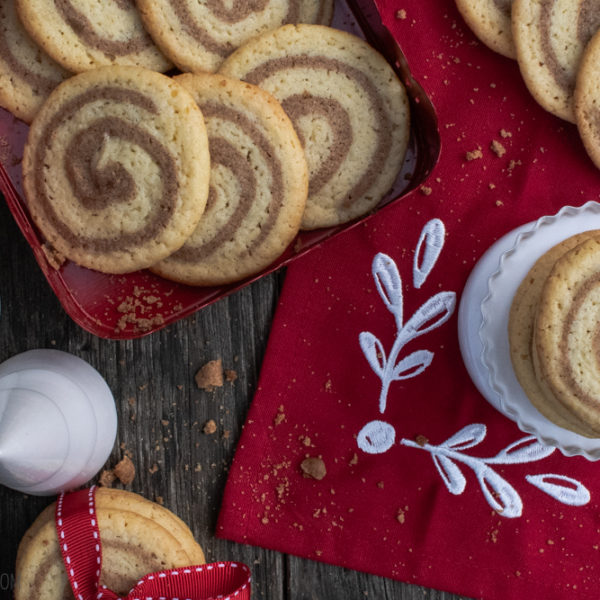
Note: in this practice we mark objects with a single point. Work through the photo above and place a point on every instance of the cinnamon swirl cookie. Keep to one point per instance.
(550, 37)
(522, 318)
(258, 185)
(348, 107)
(197, 35)
(587, 100)
(82, 35)
(138, 537)
(566, 344)
(489, 20)
(27, 74)
(116, 168)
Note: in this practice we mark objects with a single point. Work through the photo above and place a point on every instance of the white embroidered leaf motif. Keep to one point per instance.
(436, 311)
(501, 496)
(412, 365)
(376, 437)
(428, 250)
(389, 284)
(450, 473)
(575, 494)
(373, 351)
(467, 437)
(527, 449)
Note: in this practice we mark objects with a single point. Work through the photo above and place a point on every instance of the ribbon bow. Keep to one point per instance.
(81, 549)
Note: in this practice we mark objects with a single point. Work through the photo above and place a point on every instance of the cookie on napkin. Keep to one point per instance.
(27, 74)
(550, 38)
(349, 109)
(258, 185)
(85, 35)
(490, 21)
(138, 537)
(566, 333)
(199, 35)
(522, 318)
(116, 168)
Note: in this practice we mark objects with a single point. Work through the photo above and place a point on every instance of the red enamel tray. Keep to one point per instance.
(136, 304)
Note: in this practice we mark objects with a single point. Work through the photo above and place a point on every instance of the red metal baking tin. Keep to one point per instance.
(136, 304)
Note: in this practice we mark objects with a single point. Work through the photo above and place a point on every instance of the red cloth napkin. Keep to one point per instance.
(454, 503)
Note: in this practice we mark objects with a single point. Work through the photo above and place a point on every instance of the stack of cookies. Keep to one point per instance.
(557, 46)
(204, 177)
(554, 335)
(138, 537)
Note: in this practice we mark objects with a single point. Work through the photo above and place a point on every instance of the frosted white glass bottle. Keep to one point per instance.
(58, 422)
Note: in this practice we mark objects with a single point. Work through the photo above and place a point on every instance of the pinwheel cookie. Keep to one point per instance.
(490, 22)
(523, 314)
(258, 184)
(348, 107)
(587, 99)
(116, 168)
(82, 35)
(27, 74)
(565, 343)
(199, 34)
(550, 38)
(138, 537)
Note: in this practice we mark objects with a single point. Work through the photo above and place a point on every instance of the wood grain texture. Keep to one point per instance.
(161, 416)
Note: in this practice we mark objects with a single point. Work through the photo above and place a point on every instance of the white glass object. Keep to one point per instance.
(58, 422)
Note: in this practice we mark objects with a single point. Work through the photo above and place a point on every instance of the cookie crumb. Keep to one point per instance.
(230, 375)
(313, 468)
(125, 470)
(421, 440)
(426, 190)
(210, 376)
(497, 148)
(209, 427)
(505, 134)
(474, 154)
(159, 500)
(401, 14)
(107, 478)
(153, 468)
(400, 516)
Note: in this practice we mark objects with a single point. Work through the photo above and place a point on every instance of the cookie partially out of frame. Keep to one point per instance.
(27, 73)
(566, 333)
(348, 107)
(550, 38)
(258, 185)
(138, 537)
(199, 35)
(490, 21)
(587, 99)
(85, 35)
(521, 323)
(116, 168)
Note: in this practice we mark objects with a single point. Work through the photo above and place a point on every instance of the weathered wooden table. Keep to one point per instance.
(161, 416)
